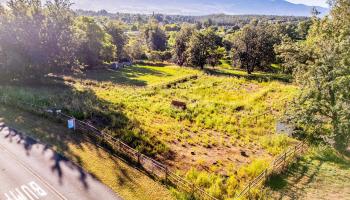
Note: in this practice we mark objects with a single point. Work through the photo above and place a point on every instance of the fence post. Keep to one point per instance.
(302, 147)
(166, 175)
(138, 158)
(193, 190)
(249, 186)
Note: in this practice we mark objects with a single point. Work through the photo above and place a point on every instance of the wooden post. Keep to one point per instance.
(249, 186)
(138, 158)
(302, 147)
(166, 175)
(193, 190)
(284, 160)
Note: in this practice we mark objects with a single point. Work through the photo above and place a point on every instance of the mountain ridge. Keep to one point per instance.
(202, 7)
(199, 7)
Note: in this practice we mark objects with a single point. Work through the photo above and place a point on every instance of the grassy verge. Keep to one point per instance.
(322, 174)
(128, 182)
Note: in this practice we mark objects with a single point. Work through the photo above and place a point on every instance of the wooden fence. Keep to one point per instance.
(151, 166)
(276, 167)
(155, 168)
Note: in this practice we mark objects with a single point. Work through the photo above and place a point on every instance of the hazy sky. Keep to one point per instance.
(311, 2)
(307, 2)
(138, 6)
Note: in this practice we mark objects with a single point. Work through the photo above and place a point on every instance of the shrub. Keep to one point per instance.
(232, 184)
(254, 169)
(276, 144)
(159, 56)
(217, 189)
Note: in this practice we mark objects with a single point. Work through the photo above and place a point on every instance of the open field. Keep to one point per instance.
(220, 140)
(129, 182)
(322, 174)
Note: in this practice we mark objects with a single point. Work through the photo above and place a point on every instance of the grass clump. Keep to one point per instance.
(276, 144)
(213, 184)
(253, 170)
(226, 187)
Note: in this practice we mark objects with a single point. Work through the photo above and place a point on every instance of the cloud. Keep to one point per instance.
(322, 3)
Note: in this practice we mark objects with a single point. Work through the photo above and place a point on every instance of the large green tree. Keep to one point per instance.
(253, 46)
(115, 29)
(95, 44)
(155, 37)
(181, 44)
(323, 109)
(215, 56)
(201, 46)
(20, 37)
(135, 49)
(36, 38)
(289, 55)
(59, 37)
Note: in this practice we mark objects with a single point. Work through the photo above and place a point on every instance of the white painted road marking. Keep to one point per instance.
(30, 191)
(28, 169)
(19, 166)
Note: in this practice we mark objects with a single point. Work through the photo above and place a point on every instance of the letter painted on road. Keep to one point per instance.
(37, 189)
(30, 191)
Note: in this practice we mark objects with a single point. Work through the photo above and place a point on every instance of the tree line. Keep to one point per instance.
(51, 37)
(216, 19)
(36, 39)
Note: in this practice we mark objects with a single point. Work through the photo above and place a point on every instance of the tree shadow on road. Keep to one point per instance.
(57, 160)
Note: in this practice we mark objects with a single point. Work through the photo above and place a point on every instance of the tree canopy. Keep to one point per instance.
(323, 109)
(37, 38)
(253, 46)
(201, 46)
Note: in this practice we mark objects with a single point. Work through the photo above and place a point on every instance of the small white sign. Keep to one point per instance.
(71, 124)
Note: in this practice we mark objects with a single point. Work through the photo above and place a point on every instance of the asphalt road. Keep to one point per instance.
(32, 171)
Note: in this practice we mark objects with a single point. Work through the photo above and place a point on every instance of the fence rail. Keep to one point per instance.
(277, 166)
(151, 166)
(154, 167)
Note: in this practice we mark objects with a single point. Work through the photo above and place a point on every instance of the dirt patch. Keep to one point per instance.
(219, 159)
(251, 87)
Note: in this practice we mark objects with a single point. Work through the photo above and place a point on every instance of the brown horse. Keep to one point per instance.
(179, 104)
